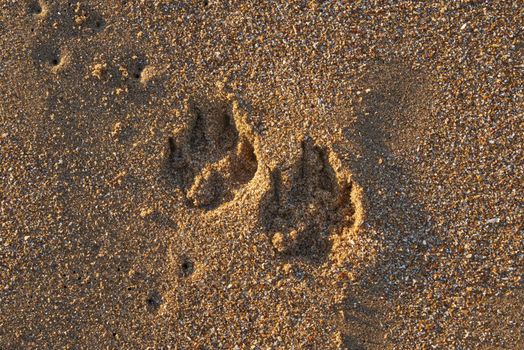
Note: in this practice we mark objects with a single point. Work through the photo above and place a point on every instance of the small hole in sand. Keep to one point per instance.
(55, 61)
(35, 8)
(186, 266)
(153, 301)
(97, 23)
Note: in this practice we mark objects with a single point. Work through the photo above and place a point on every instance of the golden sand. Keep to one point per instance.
(261, 174)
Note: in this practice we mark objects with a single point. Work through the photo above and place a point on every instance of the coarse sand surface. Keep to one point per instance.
(261, 174)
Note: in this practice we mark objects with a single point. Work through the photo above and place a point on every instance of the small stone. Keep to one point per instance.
(79, 20)
(146, 212)
(98, 70)
(278, 241)
(116, 129)
(123, 71)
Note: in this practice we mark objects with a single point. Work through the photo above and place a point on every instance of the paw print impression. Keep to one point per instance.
(213, 156)
(306, 204)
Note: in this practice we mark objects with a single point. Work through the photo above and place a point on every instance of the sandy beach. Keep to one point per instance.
(261, 174)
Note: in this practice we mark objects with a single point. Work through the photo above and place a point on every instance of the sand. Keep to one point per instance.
(261, 174)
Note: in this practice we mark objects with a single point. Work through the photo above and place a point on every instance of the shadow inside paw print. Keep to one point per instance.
(210, 159)
(305, 204)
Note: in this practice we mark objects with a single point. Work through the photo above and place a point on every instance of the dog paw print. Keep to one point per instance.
(55, 25)
(306, 204)
(71, 19)
(213, 156)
